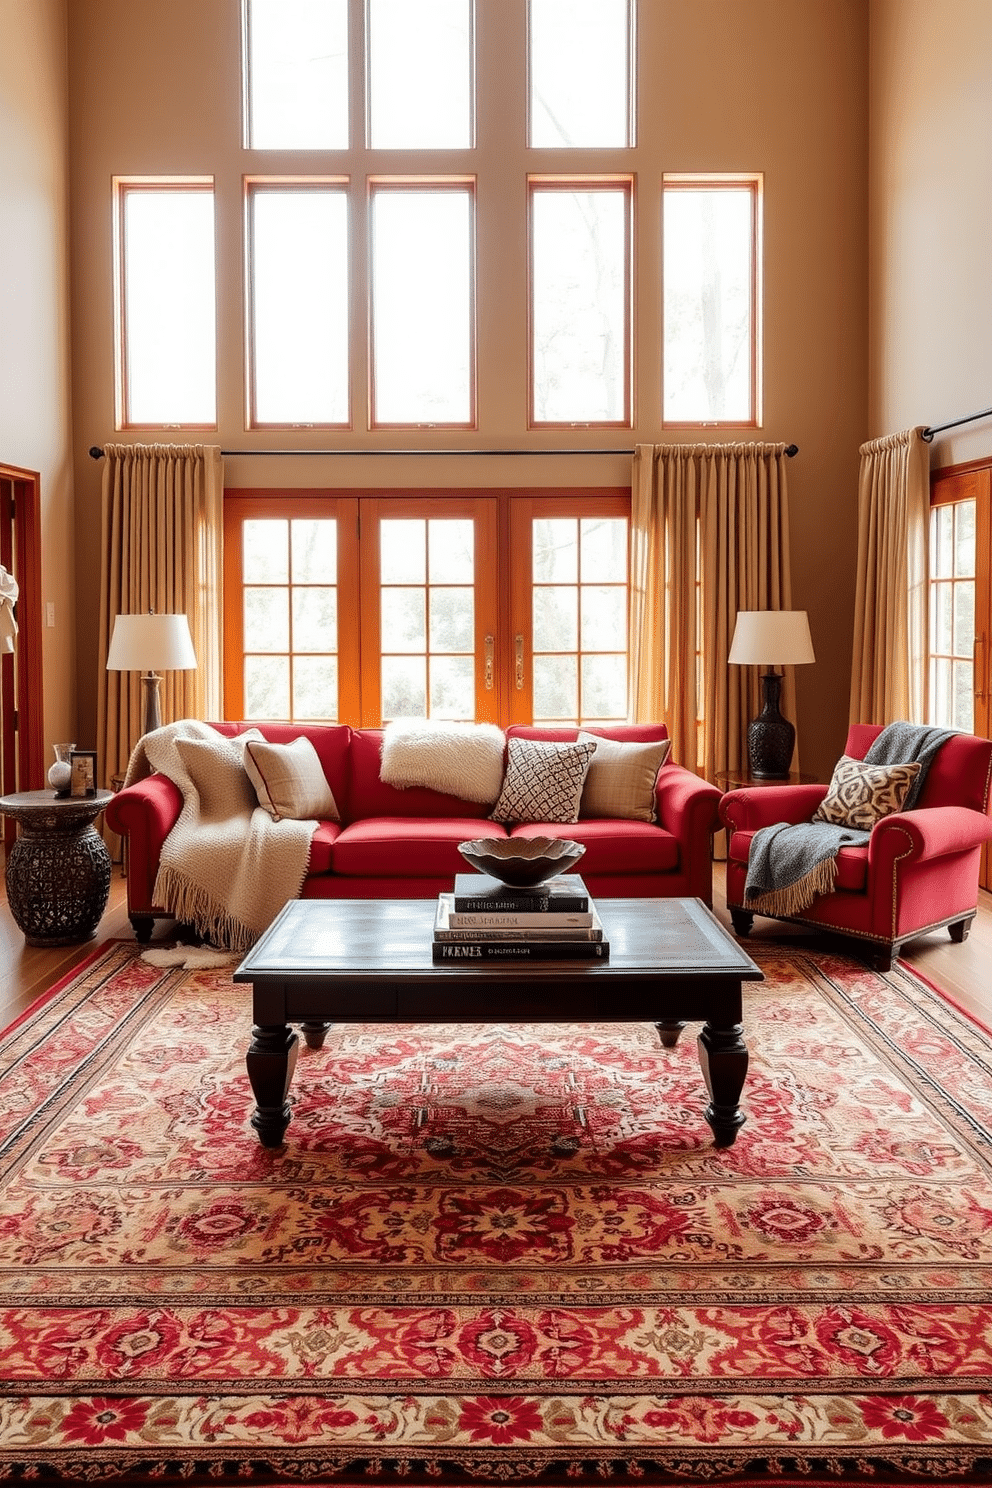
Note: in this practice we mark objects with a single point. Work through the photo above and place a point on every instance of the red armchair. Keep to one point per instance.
(918, 870)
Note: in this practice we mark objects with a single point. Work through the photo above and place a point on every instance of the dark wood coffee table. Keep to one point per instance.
(325, 961)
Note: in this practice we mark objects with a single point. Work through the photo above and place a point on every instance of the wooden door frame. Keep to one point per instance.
(972, 481)
(23, 558)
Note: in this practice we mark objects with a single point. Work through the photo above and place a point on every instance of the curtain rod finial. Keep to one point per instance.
(96, 453)
(791, 449)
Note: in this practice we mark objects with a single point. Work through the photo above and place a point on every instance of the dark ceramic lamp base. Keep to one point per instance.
(770, 737)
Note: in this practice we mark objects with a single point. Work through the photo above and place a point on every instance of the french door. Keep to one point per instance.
(487, 606)
(960, 668)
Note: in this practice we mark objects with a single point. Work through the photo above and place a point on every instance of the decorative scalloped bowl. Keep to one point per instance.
(522, 862)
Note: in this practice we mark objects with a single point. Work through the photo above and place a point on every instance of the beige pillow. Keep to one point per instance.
(289, 780)
(543, 781)
(622, 778)
(859, 795)
(217, 772)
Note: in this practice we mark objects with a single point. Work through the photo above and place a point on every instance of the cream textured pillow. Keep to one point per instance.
(216, 770)
(289, 780)
(621, 778)
(860, 795)
(543, 781)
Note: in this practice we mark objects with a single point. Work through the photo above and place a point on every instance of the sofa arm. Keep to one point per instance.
(752, 807)
(144, 813)
(687, 806)
(931, 832)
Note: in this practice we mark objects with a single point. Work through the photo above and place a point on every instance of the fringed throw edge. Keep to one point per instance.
(191, 904)
(793, 898)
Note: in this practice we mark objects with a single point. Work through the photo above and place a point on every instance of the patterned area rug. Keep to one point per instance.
(504, 1253)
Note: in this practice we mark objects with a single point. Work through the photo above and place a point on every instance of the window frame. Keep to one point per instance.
(625, 184)
(251, 184)
(753, 181)
(122, 187)
(454, 182)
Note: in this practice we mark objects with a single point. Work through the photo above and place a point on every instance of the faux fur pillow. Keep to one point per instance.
(289, 780)
(622, 778)
(461, 759)
(543, 781)
(860, 795)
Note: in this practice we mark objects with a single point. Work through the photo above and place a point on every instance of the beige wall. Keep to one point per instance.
(778, 86)
(931, 220)
(35, 431)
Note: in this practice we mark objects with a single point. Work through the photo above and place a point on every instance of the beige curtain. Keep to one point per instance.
(162, 529)
(709, 537)
(888, 668)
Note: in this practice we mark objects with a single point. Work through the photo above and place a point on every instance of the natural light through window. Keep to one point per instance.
(299, 304)
(167, 356)
(709, 278)
(420, 74)
(580, 304)
(581, 66)
(290, 618)
(579, 619)
(427, 616)
(296, 74)
(952, 615)
(422, 311)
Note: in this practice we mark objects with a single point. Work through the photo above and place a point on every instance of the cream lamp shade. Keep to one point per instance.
(151, 644)
(771, 638)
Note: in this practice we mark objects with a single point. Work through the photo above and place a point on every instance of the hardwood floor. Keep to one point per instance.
(964, 972)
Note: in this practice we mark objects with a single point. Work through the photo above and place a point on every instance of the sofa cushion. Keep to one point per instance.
(322, 848)
(852, 862)
(403, 847)
(369, 796)
(543, 781)
(613, 847)
(621, 779)
(289, 780)
(859, 795)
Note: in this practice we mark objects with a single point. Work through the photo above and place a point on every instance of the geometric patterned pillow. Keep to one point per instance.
(543, 781)
(860, 794)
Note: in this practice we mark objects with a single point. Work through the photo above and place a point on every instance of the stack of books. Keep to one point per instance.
(485, 920)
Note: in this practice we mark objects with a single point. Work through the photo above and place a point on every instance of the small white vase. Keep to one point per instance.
(60, 774)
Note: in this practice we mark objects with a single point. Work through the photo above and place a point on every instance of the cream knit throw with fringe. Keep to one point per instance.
(226, 867)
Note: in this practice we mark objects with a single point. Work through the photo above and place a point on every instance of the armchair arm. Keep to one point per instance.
(749, 808)
(145, 814)
(687, 806)
(929, 832)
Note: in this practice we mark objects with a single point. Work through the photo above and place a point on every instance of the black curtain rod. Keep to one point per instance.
(97, 453)
(968, 419)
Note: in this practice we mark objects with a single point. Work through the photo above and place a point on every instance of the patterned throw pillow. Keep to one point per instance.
(622, 778)
(543, 781)
(860, 794)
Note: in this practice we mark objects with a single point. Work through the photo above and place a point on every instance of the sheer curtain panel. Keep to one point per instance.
(889, 665)
(160, 550)
(709, 537)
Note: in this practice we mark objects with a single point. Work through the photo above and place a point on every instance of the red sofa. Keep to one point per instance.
(918, 870)
(394, 843)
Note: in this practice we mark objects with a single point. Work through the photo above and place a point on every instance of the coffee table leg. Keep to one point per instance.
(669, 1032)
(271, 1060)
(315, 1034)
(723, 1060)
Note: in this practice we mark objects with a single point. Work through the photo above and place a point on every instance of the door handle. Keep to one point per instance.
(518, 642)
(489, 663)
(978, 666)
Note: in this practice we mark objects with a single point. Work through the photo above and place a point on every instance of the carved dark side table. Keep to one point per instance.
(58, 870)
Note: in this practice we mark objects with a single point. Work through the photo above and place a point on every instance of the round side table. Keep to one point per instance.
(58, 870)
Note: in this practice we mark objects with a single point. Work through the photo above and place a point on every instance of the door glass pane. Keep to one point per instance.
(403, 552)
(315, 619)
(266, 619)
(315, 550)
(265, 551)
(266, 688)
(404, 624)
(422, 306)
(556, 690)
(708, 305)
(168, 356)
(452, 687)
(404, 687)
(556, 625)
(297, 74)
(451, 619)
(315, 686)
(604, 687)
(452, 551)
(952, 615)
(604, 618)
(580, 73)
(579, 306)
(555, 550)
(604, 550)
(420, 74)
(299, 306)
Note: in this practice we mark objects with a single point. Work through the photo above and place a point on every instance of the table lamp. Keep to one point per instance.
(771, 638)
(147, 644)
